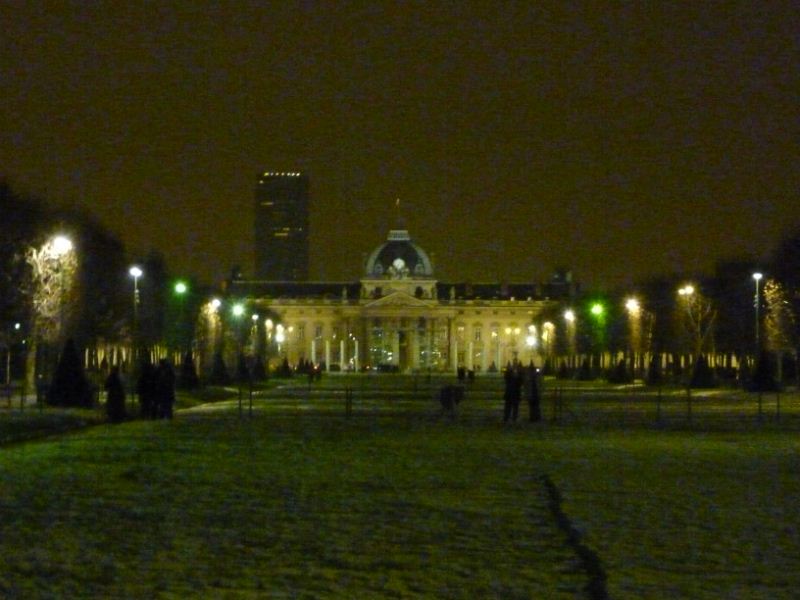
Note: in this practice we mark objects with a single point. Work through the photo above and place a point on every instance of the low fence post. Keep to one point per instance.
(760, 413)
(689, 403)
(658, 405)
(555, 404)
(250, 407)
(777, 406)
(348, 401)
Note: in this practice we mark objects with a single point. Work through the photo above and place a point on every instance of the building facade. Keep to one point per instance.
(281, 226)
(398, 316)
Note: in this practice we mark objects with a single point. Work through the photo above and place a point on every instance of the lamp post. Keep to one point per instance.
(757, 303)
(181, 289)
(531, 341)
(598, 312)
(135, 272)
(686, 293)
(634, 322)
(569, 318)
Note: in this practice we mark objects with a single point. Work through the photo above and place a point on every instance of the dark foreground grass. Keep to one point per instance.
(32, 423)
(286, 506)
(306, 503)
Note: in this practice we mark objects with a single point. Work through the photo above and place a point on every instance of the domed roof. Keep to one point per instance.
(398, 257)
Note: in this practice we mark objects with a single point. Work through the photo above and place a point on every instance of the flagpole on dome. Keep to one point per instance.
(400, 223)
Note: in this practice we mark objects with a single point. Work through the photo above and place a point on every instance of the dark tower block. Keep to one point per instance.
(281, 227)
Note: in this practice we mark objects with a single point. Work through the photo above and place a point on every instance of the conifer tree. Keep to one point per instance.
(70, 387)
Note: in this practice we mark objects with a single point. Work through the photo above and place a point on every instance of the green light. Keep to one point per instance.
(238, 310)
(597, 309)
(181, 288)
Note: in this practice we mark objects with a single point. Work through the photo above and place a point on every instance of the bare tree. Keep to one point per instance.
(52, 279)
(698, 318)
(779, 322)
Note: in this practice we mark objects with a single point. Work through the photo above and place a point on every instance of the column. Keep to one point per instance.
(471, 350)
(455, 353)
(395, 343)
(414, 332)
(342, 357)
(313, 351)
(432, 343)
(355, 357)
(328, 356)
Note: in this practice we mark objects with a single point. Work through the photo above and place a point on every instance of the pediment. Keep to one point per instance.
(399, 298)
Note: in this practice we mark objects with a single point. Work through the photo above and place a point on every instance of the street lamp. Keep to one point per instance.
(757, 278)
(634, 323)
(61, 245)
(184, 329)
(686, 292)
(530, 339)
(598, 312)
(569, 317)
(135, 272)
(633, 307)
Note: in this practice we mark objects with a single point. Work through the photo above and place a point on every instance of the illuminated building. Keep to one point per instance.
(398, 316)
(281, 226)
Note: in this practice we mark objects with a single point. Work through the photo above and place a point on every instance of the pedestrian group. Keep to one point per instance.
(521, 380)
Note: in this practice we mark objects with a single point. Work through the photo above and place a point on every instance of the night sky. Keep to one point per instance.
(618, 139)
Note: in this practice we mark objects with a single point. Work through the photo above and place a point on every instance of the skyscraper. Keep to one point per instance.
(281, 227)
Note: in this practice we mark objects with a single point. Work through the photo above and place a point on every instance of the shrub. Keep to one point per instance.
(619, 374)
(219, 372)
(702, 375)
(69, 386)
(188, 380)
(764, 374)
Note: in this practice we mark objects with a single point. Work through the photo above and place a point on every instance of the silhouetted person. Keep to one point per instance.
(115, 396)
(146, 389)
(165, 389)
(512, 394)
(532, 393)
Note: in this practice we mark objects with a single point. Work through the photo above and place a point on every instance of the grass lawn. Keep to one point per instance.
(396, 501)
(33, 423)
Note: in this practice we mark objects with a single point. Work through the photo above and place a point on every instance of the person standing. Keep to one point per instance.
(516, 390)
(512, 393)
(165, 389)
(115, 396)
(146, 389)
(532, 393)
